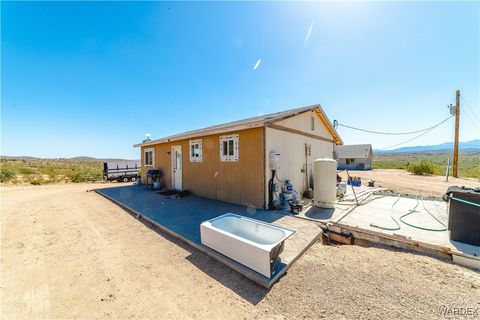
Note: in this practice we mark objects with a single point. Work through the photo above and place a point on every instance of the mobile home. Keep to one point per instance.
(230, 162)
(354, 157)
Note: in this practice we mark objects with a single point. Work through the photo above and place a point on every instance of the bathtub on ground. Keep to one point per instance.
(253, 243)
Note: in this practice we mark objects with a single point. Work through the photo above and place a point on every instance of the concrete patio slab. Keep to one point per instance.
(379, 211)
(348, 219)
(361, 221)
(182, 218)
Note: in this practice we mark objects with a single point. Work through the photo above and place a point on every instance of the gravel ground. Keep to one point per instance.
(71, 254)
(364, 283)
(407, 183)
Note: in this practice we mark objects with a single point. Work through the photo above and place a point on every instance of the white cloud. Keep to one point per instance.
(257, 64)
(309, 32)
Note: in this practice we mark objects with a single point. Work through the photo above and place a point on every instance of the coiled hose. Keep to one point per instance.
(431, 214)
(402, 218)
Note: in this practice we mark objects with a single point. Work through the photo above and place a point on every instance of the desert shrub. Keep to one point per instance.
(37, 181)
(25, 170)
(422, 167)
(85, 175)
(473, 172)
(7, 174)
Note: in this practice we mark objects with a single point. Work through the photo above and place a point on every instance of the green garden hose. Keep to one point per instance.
(465, 201)
(391, 216)
(409, 213)
(419, 227)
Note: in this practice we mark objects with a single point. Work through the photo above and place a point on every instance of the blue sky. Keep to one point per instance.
(91, 78)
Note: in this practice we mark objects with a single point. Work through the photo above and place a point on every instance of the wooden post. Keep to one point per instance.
(457, 125)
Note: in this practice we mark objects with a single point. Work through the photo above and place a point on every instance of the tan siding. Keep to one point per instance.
(239, 182)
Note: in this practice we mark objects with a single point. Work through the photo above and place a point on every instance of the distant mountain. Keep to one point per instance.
(19, 158)
(473, 145)
(91, 159)
(74, 159)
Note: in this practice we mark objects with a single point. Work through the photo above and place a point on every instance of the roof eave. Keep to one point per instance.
(202, 133)
(336, 137)
(317, 108)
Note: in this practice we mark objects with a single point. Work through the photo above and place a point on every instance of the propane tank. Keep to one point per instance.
(325, 182)
(275, 187)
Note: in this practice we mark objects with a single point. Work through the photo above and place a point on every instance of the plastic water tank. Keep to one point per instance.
(325, 182)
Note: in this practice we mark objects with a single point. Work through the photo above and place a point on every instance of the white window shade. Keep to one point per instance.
(229, 149)
(195, 150)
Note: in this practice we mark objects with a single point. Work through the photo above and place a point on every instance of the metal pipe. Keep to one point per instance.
(351, 184)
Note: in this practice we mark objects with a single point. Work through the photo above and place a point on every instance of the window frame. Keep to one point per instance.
(192, 156)
(232, 151)
(152, 164)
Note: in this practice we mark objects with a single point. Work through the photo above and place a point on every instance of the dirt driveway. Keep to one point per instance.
(405, 182)
(67, 253)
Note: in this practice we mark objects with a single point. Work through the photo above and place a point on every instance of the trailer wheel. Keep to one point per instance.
(125, 179)
(133, 179)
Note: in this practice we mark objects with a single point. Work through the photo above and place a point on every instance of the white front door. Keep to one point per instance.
(177, 167)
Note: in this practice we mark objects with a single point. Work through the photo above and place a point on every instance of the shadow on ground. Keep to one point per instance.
(231, 279)
(319, 213)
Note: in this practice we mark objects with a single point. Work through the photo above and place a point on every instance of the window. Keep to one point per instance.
(149, 155)
(312, 123)
(350, 161)
(196, 150)
(229, 148)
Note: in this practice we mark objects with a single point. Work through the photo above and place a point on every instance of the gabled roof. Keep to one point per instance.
(354, 151)
(254, 122)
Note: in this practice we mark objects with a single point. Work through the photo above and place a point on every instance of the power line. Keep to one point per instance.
(471, 109)
(467, 113)
(336, 124)
(420, 135)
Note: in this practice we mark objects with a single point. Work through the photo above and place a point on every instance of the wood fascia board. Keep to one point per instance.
(295, 131)
(328, 126)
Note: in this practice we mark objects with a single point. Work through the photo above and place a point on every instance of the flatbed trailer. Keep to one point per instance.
(121, 171)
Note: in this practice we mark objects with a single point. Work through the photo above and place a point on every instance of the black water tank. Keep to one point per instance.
(463, 218)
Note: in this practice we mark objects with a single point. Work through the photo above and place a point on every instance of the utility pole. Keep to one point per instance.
(457, 125)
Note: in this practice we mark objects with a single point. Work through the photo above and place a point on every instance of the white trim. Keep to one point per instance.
(198, 143)
(145, 158)
(174, 166)
(236, 154)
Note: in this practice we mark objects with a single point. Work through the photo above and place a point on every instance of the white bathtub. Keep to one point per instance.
(253, 243)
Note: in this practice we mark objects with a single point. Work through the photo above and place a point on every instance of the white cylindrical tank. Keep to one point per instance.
(325, 182)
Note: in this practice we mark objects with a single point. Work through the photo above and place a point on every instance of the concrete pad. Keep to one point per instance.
(182, 218)
(379, 211)
(341, 207)
(323, 215)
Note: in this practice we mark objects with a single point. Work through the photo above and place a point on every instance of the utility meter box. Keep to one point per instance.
(274, 160)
